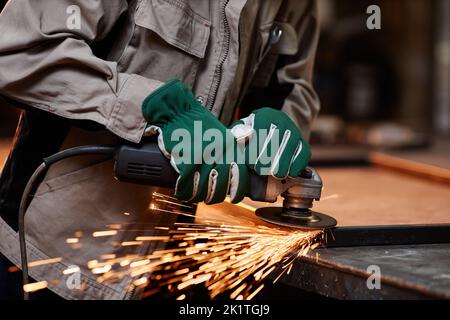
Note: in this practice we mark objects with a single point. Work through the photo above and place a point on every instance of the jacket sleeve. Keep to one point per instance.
(302, 103)
(46, 61)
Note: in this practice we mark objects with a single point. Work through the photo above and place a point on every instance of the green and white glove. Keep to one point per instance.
(274, 144)
(180, 120)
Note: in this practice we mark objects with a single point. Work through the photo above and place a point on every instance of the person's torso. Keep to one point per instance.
(212, 46)
(217, 48)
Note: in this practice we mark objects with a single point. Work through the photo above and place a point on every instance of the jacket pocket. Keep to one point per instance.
(169, 41)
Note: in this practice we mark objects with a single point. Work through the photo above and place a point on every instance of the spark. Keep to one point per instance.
(290, 268)
(100, 270)
(226, 259)
(92, 264)
(250, 297)
(72, 240)
(163, 198)
(154, 208)
(36, 286)
(131, 243)
(140, 282)
(104, 233)
(155, 238)
(43, 262)
(125, 263)
(139, 263)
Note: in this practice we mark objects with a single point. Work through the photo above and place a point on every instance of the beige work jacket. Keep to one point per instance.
(98, 60)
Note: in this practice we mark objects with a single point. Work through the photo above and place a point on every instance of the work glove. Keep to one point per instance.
(273, 143)
(207, 173)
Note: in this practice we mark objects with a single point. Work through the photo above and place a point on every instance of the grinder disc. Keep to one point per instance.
(306, 220)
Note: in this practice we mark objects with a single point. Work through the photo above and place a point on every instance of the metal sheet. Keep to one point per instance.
(387, 235)
(407, 272)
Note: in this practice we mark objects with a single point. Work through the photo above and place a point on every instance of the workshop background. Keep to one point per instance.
(381, 143)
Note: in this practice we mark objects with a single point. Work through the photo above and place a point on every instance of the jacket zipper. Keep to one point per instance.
(218, 73)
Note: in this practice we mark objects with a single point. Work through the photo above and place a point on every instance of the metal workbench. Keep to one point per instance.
(407, 272)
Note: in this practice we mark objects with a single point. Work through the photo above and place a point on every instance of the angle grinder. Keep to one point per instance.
(145, 164)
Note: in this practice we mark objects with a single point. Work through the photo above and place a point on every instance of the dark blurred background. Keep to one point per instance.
(386, 88)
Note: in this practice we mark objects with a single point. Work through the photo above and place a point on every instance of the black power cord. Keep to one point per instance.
(32, 183)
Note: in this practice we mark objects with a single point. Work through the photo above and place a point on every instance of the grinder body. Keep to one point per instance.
(145, 164)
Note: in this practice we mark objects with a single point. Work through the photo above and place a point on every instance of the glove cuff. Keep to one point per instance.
(167, 103)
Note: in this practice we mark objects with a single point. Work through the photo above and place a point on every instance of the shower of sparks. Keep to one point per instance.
(226, 259)
(232, 261)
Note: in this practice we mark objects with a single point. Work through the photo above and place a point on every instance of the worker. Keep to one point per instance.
(113, 71)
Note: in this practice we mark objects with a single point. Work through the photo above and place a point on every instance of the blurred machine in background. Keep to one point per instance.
(386, 88)
(441, 78)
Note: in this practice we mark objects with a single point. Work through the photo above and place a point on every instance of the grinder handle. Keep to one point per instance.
(145, 164)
